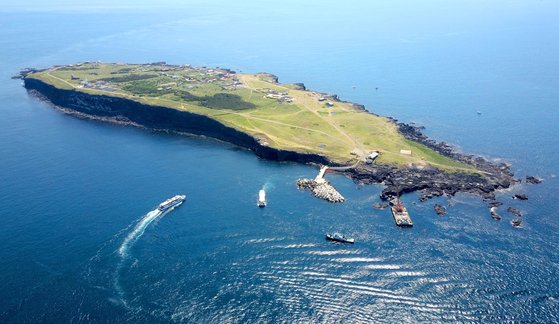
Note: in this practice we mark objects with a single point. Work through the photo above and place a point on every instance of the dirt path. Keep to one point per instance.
(356, 144)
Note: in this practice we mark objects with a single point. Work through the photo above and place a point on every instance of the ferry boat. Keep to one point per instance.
(261, 199)
(171, 202)
(337, 237)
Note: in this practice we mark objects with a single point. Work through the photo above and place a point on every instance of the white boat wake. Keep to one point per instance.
(137, 232)
(268, 186)
(128, 243)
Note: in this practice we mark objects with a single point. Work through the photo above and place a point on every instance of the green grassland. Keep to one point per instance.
(281, 115)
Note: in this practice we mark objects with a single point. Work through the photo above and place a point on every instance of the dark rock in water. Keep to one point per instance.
(514, 211)
(494, 214)
(495, 204)
(441, 210)
(380, 205)
(516, 223)
(533, 180)
(520, 197)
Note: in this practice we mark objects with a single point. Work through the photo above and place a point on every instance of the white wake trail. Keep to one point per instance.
(268, 186)
(137, 232)
(129, 241)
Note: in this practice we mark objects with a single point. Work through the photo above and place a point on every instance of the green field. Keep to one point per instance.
(280, 115)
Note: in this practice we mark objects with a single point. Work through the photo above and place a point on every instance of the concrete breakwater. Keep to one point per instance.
(321, 189)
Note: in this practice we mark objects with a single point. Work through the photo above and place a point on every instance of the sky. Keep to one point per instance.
(58, 5)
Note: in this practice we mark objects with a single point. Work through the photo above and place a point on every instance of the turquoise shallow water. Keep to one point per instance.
(72, 191)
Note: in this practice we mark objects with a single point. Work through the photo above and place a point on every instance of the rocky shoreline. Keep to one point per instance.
(430, 181)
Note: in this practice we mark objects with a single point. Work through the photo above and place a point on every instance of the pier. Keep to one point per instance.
(401, 215)
(402, 219)
(320, 177)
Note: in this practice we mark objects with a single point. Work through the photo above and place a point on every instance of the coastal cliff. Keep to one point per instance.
(125, 111)
(429, 181)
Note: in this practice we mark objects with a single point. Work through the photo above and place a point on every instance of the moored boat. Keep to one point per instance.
(337, 237)
(171, 202)
(400, 214)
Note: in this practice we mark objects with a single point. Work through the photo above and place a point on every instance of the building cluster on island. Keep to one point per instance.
(196, 75)
(97, 85)
(281, 97)
(173, 77)
(326, 101)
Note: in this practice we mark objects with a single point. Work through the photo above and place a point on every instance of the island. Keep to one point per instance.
(281, 122)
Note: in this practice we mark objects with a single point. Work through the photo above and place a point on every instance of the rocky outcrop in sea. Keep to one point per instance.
(533, 180)
(440, 209)
(514, 211)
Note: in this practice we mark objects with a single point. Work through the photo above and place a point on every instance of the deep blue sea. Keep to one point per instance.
(78, 242)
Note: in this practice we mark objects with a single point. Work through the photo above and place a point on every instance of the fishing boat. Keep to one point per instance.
(337, 237)
(261, 199)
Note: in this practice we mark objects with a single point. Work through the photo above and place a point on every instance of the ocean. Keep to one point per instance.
(79, 239)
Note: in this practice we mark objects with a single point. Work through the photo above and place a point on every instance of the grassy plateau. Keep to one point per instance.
(282, 116)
